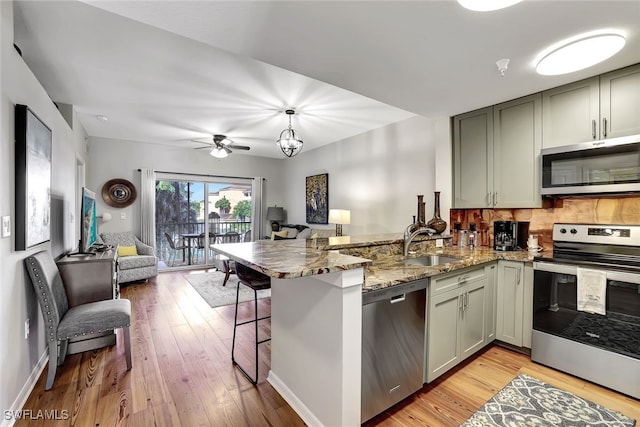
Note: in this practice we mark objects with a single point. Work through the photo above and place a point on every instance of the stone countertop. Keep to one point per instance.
(390, 271)
(291, 258)
(288, 259)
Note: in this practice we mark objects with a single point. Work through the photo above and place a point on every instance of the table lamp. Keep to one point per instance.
(339, 217)
(275, 214)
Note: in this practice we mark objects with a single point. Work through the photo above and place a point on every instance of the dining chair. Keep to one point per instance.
(174, 248)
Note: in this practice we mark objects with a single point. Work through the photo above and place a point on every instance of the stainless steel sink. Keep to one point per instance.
(429, 260)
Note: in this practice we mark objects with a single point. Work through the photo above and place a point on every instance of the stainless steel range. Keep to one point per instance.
(586, 306)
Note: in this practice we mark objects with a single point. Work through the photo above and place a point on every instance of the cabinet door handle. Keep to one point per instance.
(593, 129)
(518, 273)
(604, 127)
(461, 302)
(495, 198)
(488, 199)
(466, 300)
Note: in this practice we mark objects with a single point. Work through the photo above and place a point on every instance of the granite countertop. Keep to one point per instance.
(287, 259)
(390, 271)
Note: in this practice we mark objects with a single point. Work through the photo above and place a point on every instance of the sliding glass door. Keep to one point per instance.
(194, 213)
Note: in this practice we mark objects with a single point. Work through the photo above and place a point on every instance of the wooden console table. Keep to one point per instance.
(90, 278)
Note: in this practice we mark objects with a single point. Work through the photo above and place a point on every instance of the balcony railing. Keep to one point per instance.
(166, 255)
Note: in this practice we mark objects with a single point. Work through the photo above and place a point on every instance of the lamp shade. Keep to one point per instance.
(275, 213)
(339, 216)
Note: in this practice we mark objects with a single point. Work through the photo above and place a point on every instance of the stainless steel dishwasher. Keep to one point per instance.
(393, 334)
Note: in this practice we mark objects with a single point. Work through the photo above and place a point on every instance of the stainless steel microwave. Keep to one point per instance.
(605, 166)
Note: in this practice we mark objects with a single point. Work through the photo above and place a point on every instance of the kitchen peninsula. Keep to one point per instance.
(316, 309)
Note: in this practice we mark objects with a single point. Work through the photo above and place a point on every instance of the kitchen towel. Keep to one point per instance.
(592, 290)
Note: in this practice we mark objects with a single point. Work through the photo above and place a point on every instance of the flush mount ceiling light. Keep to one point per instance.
(288, 142)
(579, 52)
(102, 118)
(486, 5)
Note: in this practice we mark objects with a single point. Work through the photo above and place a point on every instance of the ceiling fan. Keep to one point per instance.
(221, 146)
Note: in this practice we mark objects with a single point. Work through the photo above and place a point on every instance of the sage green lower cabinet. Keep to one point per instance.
(459, 308)
(514, 303)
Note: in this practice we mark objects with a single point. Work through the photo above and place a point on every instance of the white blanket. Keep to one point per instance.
(592, 290)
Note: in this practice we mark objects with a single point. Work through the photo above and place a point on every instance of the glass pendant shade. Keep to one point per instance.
(288, 142)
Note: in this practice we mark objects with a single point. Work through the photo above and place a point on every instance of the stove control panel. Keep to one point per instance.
(609, 231)
(626, 235)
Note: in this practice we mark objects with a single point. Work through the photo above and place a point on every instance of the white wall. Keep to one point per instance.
(377, 175)
(111, 159)
(19, 357)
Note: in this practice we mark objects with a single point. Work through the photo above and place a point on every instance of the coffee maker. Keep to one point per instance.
(510, 235)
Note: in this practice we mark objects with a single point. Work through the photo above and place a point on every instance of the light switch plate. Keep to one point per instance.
(6, 226)
(123, 215)
(439, 243)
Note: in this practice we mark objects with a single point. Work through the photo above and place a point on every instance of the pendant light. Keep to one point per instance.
(288, 142)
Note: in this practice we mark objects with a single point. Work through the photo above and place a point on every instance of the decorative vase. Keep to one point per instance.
(436, 222)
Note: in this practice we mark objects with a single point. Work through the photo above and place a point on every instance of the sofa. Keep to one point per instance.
(298, 231)
(136, 260)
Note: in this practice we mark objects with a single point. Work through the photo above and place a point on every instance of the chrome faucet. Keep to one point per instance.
(409, 235)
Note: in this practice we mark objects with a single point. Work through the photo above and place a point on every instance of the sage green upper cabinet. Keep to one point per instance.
(496, 155)
(601, 107)
(473, 158)
(571, 113)
(620, 102)
(517, 140)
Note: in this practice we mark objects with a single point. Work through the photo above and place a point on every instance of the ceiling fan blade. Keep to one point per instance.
(239, 147)
(224, 147)
(203, 141)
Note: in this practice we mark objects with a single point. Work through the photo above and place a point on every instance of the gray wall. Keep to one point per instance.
(19, 356)
(377, 175)
(111, 159)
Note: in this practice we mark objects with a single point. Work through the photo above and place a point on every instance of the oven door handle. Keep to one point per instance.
(619, 276)
(555, 268)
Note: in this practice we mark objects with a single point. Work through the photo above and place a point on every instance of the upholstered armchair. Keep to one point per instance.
(63, 322)
(136, 260)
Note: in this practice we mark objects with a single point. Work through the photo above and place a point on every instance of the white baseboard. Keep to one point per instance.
(301, 409)
(28, 387)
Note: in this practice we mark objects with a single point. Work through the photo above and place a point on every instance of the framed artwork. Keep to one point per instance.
(33, 179)
(317, 197)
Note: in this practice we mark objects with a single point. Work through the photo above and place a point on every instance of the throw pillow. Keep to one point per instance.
(292, 232)
(278, 233)
(127, 251)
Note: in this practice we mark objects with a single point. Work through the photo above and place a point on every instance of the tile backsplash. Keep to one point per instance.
(605, 210)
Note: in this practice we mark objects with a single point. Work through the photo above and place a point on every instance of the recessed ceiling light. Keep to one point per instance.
(102, 118)
(579, 52)
(486, 5)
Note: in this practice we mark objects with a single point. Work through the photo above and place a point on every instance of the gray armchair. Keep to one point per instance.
(62, 322)
(137, 267)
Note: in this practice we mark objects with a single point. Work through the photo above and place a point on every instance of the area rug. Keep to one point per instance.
(209, 286)
(527, 401)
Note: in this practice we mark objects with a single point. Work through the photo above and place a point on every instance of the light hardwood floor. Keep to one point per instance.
(182, 374)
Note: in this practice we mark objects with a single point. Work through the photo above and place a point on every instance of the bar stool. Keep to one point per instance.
(256, 281)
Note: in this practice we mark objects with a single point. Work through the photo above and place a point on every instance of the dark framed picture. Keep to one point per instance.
(33, 179)
(317, 197)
